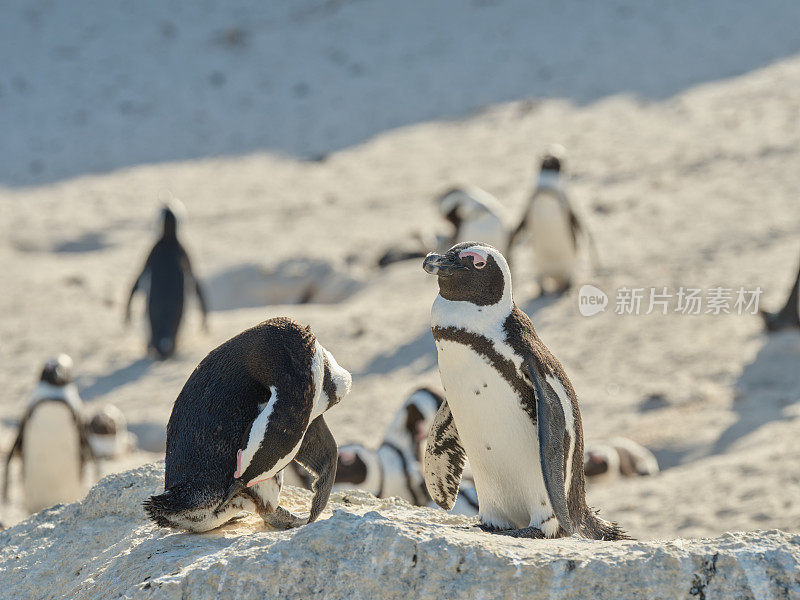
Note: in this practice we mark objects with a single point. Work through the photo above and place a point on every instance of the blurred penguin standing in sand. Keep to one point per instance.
(164, 278)
(476, 215)
(553, 226)
(52, 441)
(789, 316)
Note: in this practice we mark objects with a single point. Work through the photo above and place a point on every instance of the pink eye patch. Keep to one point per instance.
(478, 260)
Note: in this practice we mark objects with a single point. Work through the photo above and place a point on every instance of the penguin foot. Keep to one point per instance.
(527, 532)
(283, 519)
(490, 528)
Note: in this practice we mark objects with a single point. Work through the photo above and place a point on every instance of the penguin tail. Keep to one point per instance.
(595, 528)
(185, 506)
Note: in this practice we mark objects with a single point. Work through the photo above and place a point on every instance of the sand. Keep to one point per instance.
(687, 178)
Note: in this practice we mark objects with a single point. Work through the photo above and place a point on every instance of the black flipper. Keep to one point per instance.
(318, 453)
(789, 315)
(551, 422)
(444, 459)
(578, 227)
(198, 289)
(148, 263)
(16, 448)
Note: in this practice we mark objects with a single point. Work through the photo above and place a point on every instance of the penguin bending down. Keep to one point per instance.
(553, 227)
(789, 316)
(52, 441)
(510, 408)
(250, 407)
(166, 272)
(618, 456)
(476, 215)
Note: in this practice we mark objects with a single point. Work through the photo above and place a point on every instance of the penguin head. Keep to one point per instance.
(358, 467)
(409, 427)
(58, 371)
(553, 159)
(471, 272)
(451, 205)
(420, 410)
(595, 463)
(551, 163)
(336, 380)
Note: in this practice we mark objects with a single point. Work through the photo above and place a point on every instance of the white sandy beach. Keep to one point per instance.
(684, 166)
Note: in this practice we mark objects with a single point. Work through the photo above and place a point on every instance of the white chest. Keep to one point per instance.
(551, 233)
(499, 437)
(51, 457)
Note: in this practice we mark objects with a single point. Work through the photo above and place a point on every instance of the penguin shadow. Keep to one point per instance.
(765, 388)
(421, 349)
(117, 378)
(541, 301)
(297, 280)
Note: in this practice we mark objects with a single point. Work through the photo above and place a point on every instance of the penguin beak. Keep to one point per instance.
(442, 265)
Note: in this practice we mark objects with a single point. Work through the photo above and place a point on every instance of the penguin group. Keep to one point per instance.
(59, 444)
(549, 221)
(251, 416)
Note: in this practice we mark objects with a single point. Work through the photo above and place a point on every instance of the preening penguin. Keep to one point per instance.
(52, 441)
(509, 408)
(553, 227)
(476, 215)
(250, 407)
(166, 272)
(789, 316)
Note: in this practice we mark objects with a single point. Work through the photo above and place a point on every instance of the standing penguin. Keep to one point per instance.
(250, 407)
(553, 227)
(789, 316)
(476, 215)
(166, 272)
(510, 407)
(52, 441)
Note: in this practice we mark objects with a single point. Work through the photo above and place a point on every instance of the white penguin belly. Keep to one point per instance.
(500, 440)
(551, 237)
(51, 458)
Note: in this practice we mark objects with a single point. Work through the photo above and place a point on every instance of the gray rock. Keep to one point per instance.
(103, 547)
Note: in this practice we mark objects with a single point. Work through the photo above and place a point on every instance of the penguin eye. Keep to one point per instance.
(478, 261)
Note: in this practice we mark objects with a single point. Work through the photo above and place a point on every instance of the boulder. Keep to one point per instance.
(362, 547)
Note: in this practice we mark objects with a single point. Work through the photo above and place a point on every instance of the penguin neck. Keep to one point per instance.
(67, 393)
(548, 180)
(466, 315)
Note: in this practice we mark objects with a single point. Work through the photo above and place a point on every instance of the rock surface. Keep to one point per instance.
(103, 547)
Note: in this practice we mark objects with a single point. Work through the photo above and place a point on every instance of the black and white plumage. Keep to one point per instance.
(510, 408)
(250, 407)
(476, 215)
(618, 456)
(166, 272)
(52, 441)
(108, 433)
(393, 469)
(553, 227)
(787, 317)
